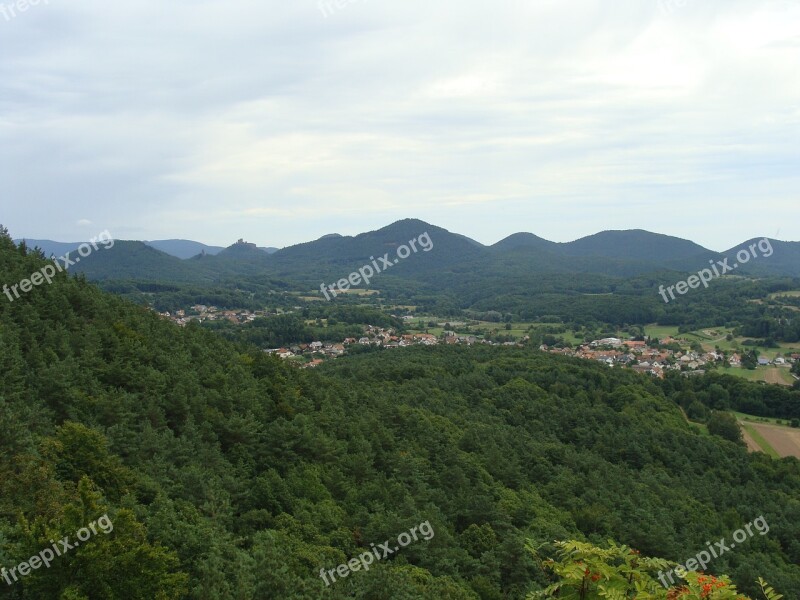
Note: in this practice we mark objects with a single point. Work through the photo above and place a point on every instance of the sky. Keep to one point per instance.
(279, 122)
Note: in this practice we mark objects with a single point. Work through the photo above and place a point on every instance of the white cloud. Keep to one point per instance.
(267, 120)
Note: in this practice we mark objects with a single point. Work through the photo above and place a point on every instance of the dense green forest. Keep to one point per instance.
(230, 475)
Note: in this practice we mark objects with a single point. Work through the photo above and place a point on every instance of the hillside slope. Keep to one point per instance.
(229, 475)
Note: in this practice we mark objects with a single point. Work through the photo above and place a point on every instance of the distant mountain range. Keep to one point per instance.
(456, 262)
(179, 248)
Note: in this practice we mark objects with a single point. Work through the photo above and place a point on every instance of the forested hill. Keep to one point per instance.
(619, 254)
(228, 475)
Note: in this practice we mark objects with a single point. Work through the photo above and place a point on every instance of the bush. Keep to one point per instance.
(586, 572)
(725, 426)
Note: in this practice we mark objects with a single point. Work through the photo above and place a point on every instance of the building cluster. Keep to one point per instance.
(317, 352)
(640, 356)
(201, 313)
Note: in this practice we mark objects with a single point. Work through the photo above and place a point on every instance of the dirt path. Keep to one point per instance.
(752, 446)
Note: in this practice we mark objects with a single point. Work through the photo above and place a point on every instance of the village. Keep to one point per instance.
(201, 313)
(644, 358)
(633, 354)
(654, 359)
(317, 352)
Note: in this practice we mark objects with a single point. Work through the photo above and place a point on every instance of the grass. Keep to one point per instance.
(757, 375)
(759, 439)
(778, 294)
(786, 375)
(661, 331)
(760, 373)
(770, 420)
(701, 428)
(518, 329)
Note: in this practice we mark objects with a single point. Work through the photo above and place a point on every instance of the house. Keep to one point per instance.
(763, 361)
(697, 373)
(634, 344)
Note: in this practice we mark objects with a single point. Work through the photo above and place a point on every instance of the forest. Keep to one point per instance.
(229, 475)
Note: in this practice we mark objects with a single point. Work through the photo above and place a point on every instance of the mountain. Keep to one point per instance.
(183, 248)
(137, 260)
(524, 240)
(455, 263)
(49, 247)
(240, 258)
(773, 257)
(633, 244)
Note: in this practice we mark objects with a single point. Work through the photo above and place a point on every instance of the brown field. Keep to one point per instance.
(785, 440)
(774, 375)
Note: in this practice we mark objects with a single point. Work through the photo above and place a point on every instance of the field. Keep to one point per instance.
(709, 337)
(715, 337)
(755, 441)
(464, 326)
(769, 420)
(775, 440)
(793, 294)
(777, 375)
(661, 331)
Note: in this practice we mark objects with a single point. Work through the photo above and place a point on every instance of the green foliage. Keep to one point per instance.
(230, 475)
(725, 426)
(583, 571)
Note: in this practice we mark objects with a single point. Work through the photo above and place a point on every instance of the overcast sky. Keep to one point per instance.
(282, 121)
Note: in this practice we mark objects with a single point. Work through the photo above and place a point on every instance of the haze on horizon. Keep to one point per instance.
(281, 123)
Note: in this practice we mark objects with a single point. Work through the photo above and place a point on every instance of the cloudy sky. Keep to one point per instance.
(283, 121)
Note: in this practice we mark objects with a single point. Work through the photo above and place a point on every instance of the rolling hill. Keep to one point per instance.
(456, 262)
